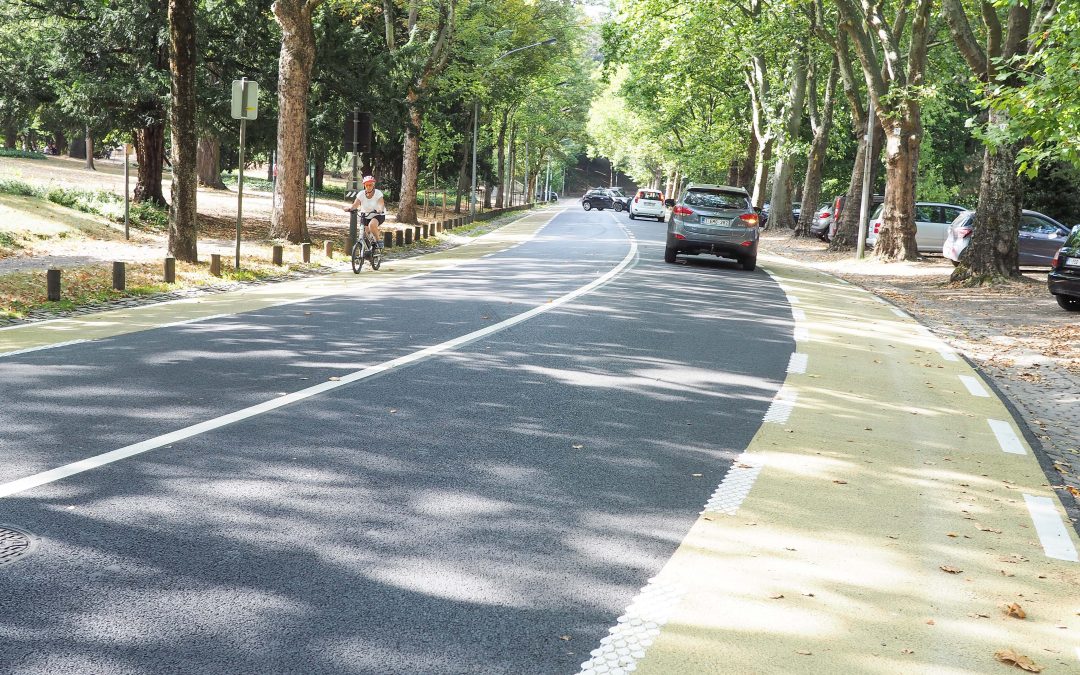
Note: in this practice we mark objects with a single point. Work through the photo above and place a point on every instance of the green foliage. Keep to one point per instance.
(101, 203)
(20, 154)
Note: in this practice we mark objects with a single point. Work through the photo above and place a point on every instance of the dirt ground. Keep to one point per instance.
(1015, 333)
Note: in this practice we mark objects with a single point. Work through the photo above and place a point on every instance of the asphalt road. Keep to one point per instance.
(489, 509)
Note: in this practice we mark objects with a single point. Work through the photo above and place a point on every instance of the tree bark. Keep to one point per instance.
(320, 170)
(746, 172)
(209, 162)
(183, 215)
(780, 201)
(501, 171)
(847, 221)
(90, 150)
(896, 240)
(463, 177)
(296, 60)
(410, 161)
(821, 122)
(149, 145)
(9, 134)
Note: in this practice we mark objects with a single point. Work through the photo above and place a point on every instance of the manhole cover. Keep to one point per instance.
(14, 544)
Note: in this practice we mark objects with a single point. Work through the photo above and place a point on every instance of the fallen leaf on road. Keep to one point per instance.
(929, 622)
(1014, 558)
(335, 379)
(804, 652)
(696, 475)
(950, 570)
(907, 651)
(1013, 609)
(1073, 491)
(393, 410)
(744, 466)
(808, 594)
(565, 638)
(1007, 574)
(577, 446)
(952, 534)
(983, 528)
(777, 596)
(1019, 660)
(840, 482)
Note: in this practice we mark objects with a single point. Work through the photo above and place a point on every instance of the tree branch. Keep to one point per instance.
(960, 29)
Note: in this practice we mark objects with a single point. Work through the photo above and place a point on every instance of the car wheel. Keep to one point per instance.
(659, 219)
(618, 207)
(632, 216)
(587, 206)
(1068, 303)
(749, 264)
(669, 256)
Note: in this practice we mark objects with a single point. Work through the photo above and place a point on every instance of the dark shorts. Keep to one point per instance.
(379, 218)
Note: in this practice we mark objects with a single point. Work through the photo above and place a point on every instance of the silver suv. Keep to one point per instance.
(714, 219)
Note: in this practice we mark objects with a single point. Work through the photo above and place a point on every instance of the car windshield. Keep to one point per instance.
(877, 212)
(716, 199)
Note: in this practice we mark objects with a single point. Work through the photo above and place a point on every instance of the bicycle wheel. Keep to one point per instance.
(358, 256)
(376, 257)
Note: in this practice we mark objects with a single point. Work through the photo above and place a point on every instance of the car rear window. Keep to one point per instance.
(648, 194)
(716, 199)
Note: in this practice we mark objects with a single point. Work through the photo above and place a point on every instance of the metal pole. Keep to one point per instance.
(864, 206)
(525, 189)
(475, 125)
(355, 170)
(240, 173)
(127, 191)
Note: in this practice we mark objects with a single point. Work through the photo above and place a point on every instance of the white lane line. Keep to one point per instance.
(798, 314)
(948, 354)
(185, 322)
(899, 313)
(59, 473)
(1052, 533)
(974, 387)
(782, 406)
(42, 347)
(802, 334)
(797, 363)
(636, 629)
(793, 299)
(1006, 437)
(733, 490)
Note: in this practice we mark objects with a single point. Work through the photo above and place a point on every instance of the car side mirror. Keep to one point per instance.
(671, 202)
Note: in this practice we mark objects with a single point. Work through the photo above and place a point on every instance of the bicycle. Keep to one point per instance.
(366, 247)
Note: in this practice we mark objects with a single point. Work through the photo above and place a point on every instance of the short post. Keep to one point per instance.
(119, 276)
(328, 248)
(52, 284)
(170, 270)
(215, 264)
(388, 239)
(350, 241)
(278, 253)
(424, 231)
(408, 236)
(305, 252)
(416, 234)
(399, 238)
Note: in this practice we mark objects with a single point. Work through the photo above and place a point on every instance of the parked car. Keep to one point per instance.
(831, 219)
(1064, 278)
(819, 227)
(597, 198)
(796, 211)
(1040, 237)
(715, 219)
(932, 222)
(648, 204)
(620, 199)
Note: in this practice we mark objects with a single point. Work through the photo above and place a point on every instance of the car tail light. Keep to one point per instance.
(679, 236)
(825, 213)
(749, 219)
(877, 226)
(747, 243)
(1057, 258)
(636, 199)
(682, 211)
(964, 231)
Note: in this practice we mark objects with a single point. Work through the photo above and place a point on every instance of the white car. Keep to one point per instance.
(648, 204)
(932, 222)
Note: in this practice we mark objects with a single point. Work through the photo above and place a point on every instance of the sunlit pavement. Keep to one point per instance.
(494, 459)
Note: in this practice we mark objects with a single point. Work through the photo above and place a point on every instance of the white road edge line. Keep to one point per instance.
(42, 348)
(898, 312)
(948, 354)
(797, 363)
(59, 473)
(1006, 437)
(798, 314)
(1052, 533)
(974, 387)
(801, 334)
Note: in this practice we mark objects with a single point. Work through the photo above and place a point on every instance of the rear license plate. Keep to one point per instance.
(715, 221)
(1072, 262)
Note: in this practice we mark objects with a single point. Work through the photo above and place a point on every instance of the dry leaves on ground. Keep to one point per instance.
(951, 570)
(1019, 660)
(1013, 609)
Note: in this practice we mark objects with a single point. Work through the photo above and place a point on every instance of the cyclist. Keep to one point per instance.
(372, 208)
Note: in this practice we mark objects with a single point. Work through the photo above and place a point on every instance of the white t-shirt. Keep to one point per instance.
(367, 204)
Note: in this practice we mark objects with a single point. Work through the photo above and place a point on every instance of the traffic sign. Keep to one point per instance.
(245, 100)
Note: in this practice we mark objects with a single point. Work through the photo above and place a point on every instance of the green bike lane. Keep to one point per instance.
(882, 520)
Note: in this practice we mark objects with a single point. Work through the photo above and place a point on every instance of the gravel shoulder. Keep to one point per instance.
(1016, 334)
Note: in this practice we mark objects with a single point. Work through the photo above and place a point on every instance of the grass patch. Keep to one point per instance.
(20, 154)
(263, 185)
(144, 216)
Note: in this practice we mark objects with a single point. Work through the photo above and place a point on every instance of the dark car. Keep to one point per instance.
(1064, 277)
(621, 201)
(597, 198)
(714, 219)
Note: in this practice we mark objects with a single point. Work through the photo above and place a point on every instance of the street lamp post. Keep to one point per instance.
(476, 117)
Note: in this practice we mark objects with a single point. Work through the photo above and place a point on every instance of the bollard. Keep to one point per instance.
(279, 252)
(438, 227)
(424, 231)
(399, 238)
(215, 264)
(388, 239)
(305, 252)
(52, 285)
(170, 270)
(328, 248)
(416, 234)
(408, 235)
(349, 243)
(119, 276)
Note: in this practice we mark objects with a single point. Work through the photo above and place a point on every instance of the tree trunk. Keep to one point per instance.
(847, 221)
(463, 177)
(9, 134)
(183, 216)
(288, 219)
(501, 171)
(896, 240)
(320, 170)
(993, 253)
(761, 172)
(60, 141)
(746, 173)
(410, 161)
(90, 150)
(780, 202)
(149, 153)
(209, 162)
(815, 163)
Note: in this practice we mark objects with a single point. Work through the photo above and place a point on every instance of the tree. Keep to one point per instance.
(821, 125)
(791, 119)
(183, 223)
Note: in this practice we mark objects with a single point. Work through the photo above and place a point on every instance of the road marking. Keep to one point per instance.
(948, 354)
(794, 300)
(899, 313)
(59, 473)
(42, 347)
(802, 334)
(1052, 533)
(974, 387)
(798, 314)
(1006, 437)
(733, 490)
(636, 629)
(797, 363)
(185, 322)
(782, 406)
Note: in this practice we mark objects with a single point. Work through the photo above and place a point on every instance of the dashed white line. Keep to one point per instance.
(59, 473)
(1052, 533)
(802, 334)
(797, 363)
(974, 387)
(782, 406)
(793, 300)
(635, 630)
(42, 348)
(733, 490)
(948, 354)
(1006, 437)
(798, 314)
(898, 312)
